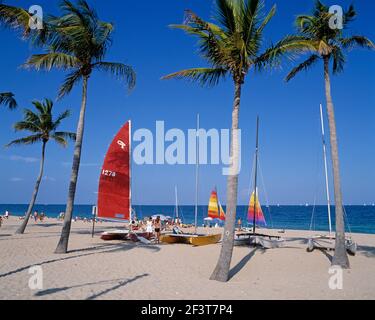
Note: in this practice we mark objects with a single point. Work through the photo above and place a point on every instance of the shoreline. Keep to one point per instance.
(94, 269)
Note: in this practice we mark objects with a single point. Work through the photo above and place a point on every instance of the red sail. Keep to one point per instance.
(114, 198)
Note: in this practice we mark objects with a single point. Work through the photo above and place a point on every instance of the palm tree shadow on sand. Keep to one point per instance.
(120, 283)
(89, 251)
(239, 266)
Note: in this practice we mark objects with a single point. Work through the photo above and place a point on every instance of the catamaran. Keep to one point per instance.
(114, 194)
(322, 241)
(194, 239)
(256, 216)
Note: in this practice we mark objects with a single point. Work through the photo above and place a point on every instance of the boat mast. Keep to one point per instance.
(175, 191)
(256, 175)
(326, 171)
(196, 174)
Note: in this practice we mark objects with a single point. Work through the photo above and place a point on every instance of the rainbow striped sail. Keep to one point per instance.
(259, 216)
(215, 210)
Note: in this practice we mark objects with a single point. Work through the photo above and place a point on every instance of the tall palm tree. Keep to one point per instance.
(7, 99)
(232, 48)
(43, 127)
(78, 41)
(328, 45)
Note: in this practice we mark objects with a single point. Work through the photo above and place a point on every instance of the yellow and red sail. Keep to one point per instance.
(256, 209)
(215, 210)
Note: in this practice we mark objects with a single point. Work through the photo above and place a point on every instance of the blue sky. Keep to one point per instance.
(290, 138)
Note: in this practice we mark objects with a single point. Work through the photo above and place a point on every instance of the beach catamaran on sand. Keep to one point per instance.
(194, 239)
(255, 215)
(114, 196)
(324, 242)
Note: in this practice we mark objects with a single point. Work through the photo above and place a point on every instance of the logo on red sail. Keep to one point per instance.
(122, 144)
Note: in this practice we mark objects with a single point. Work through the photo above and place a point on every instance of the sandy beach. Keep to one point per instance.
(95, 269)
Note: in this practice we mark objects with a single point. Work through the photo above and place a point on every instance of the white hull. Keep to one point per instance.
(328, 243)
(263, 241)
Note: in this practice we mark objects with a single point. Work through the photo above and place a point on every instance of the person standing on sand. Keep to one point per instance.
(1, 221)
(239, 224)
(6, 216)
(149, 228)
(157, 225)
(36, 215)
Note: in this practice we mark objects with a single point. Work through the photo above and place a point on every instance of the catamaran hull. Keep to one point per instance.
(115, 235)
(267, 243)
(325, 243)
(264, 241)
(195, 240)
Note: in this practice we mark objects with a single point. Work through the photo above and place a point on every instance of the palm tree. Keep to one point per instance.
(7, 99)
(328, 44)
(43, 128)
(232, 48)
(78, 41)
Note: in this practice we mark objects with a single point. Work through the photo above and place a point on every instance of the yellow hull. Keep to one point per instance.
(195, 240)
(205, 240)
(167, 238)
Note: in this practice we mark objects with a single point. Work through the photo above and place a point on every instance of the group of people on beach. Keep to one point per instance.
(39, 216)
(154, 226)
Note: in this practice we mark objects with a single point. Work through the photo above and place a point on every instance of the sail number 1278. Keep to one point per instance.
(108, 173)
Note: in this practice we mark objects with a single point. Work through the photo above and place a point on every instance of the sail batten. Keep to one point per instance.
(114, 196)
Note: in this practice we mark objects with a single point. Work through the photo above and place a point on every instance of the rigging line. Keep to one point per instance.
(265, 192)
(250, 191)
(347, 221)
(318, 175)
(317, 184)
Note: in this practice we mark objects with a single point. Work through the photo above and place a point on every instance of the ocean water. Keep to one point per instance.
(360, 219)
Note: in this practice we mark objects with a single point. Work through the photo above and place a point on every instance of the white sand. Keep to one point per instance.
(95, 269)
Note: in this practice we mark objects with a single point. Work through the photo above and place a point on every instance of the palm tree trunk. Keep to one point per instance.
(62, 246)
(221, 272)
(22, 228)
(340, 257)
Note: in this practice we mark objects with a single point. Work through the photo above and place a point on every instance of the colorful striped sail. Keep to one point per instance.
(259, 216)
(222, 213)
(215, 210)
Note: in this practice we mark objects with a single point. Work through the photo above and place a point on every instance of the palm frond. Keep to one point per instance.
(290, 47)
(338, 60)
(303, 66)
(205, 76)
(27, 126)
(26, 141)
(357, 41)
(7, 99)
(225, 15)
(66, 135)
(15, 18)
(121, 71)
(69, 82)
(60, 118)
(51, 60)
(59, 140)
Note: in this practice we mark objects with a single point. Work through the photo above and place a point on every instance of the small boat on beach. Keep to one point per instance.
(327, 242)
(195, 239)
(256, 217)
(114, 194)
